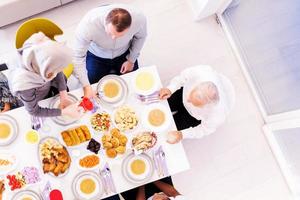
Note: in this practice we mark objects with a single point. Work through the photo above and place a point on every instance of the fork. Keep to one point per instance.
(103, 174)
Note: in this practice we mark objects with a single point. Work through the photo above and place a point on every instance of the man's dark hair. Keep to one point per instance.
(119, 18)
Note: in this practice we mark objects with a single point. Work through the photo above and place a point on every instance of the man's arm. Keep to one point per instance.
(168, 189)
(138, 41)
(141, 193)
(82, 42)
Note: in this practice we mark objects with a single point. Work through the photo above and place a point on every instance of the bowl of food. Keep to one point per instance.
(125, 118)
(156, 117)
(75, 136)
(112, 90)
(88, 161)
(63, 120)
(114, 143)
(87, 186)
(8, 129)
(26, 195)
(143, 141)
(54, 157)
(100, 121)
(137, 169)
(8, 162)
(145, 81)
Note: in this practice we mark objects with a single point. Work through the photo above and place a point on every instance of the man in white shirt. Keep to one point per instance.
(201, 99)
(108, 38)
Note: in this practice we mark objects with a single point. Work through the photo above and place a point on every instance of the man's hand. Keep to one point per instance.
(88, 92)
(6, 107)
(160, 196)
(164, 93)
(174, 137)
(126, 67)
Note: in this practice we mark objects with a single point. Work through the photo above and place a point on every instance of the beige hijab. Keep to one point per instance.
(38, 57)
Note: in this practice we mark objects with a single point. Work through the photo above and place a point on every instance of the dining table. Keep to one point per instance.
(27, 154)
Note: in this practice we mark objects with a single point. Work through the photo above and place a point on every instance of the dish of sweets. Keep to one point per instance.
(76, 135)
(114, 143)
(125, 118)
(54, 157)
(8, 129)
(89, 161)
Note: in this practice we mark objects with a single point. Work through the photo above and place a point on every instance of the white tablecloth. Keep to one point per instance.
(28, 153)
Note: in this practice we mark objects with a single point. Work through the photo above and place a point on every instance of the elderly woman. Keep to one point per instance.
(200, 99)
(36, 73)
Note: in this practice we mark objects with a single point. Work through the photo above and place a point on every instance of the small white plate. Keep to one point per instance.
(165, 125)
(146, 72)
(76, 186)
(13, 125)
(4, 155)
(134, 178)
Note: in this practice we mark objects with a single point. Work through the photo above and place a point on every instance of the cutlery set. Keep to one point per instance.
(109, 186)
(160, 163)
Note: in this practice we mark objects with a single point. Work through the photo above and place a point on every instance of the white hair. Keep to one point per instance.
(208, 92)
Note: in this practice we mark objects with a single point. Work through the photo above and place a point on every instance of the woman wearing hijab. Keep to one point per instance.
(201, 99)
(37, 72)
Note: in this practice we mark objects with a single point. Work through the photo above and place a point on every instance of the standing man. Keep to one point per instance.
(108, 38)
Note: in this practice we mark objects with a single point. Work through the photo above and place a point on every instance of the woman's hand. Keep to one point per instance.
(64, 99)
(165, 93)
(73, 111)
(174, 137)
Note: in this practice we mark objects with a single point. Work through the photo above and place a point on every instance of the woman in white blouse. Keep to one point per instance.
(200, 99)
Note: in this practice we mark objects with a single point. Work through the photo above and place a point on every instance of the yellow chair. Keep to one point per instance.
(35, 25)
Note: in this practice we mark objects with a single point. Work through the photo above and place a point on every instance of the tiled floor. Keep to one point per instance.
(235, 163)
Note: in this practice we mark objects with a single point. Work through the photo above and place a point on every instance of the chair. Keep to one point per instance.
(35, 25)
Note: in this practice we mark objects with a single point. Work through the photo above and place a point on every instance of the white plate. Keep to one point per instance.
(123, 94)
(131, 177)
(150, 73)
(117, 125)
(76, 186)
(83, 144)
(41, 161)
(26, 193)
(85, 168)
(165, 124)
(13, 125)
(54, 103)
(4, 155)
